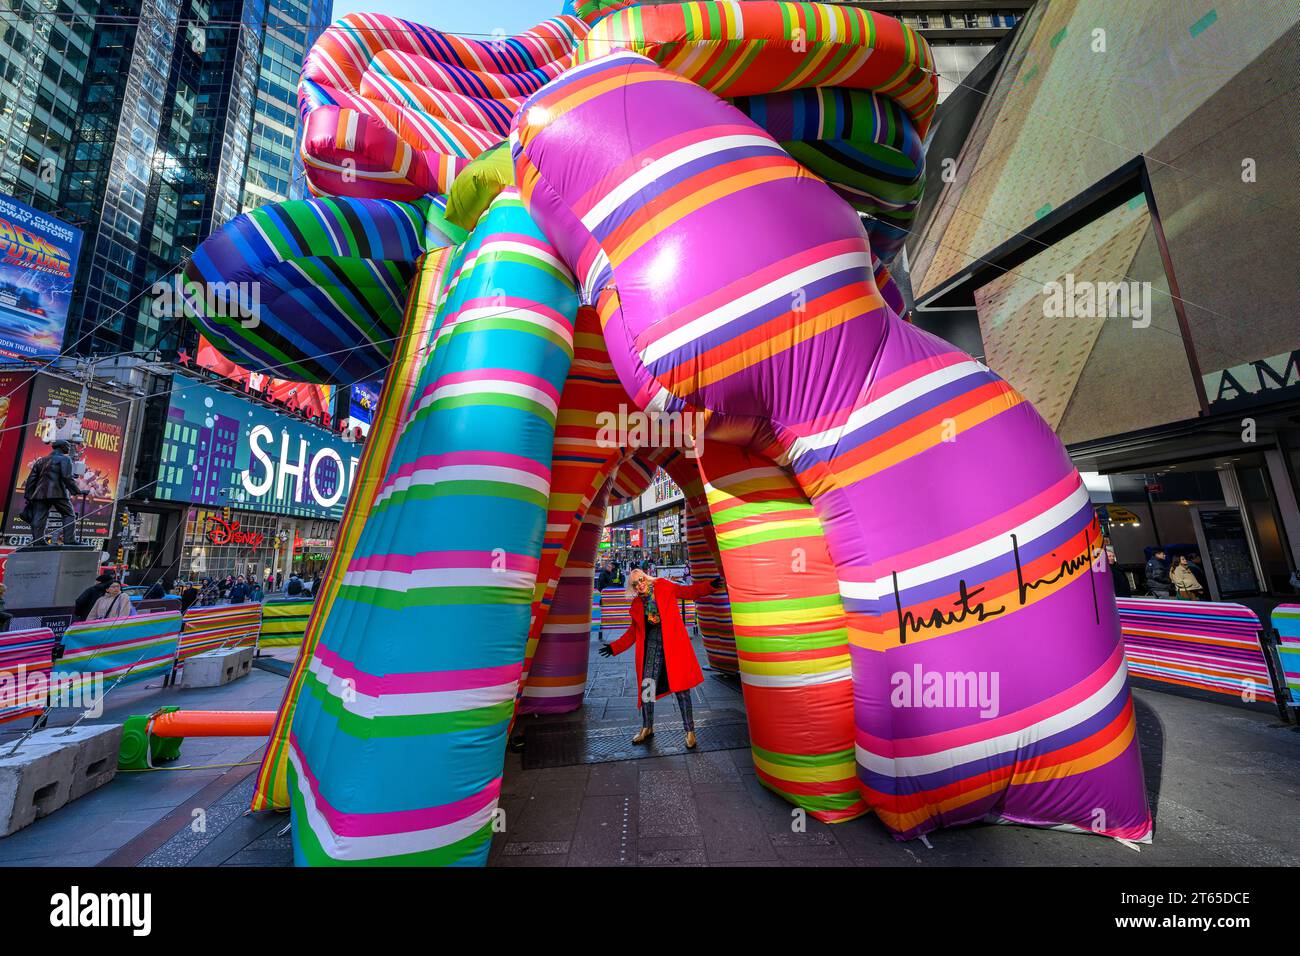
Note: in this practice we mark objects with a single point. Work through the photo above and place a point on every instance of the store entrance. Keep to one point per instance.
(1222, 511)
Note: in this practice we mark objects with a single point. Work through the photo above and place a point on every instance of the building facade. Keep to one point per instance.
(1119, 241)
(147, 124)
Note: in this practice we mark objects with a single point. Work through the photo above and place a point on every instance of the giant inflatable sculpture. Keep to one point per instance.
(682, 212)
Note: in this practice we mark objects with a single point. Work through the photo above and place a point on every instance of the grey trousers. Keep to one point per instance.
(656, 671)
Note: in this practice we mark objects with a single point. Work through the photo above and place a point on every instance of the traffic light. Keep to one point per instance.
(225, 514)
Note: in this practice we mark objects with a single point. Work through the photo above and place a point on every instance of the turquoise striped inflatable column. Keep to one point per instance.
(398, 742)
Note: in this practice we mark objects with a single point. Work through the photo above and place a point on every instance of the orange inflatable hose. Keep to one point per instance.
(213, 723)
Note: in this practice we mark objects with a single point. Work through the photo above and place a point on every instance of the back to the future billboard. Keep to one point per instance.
(38, 263)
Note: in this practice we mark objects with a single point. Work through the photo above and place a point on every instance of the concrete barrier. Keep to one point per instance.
(53, 767)
(215, 668)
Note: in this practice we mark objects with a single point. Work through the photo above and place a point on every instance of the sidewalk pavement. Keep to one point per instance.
(88, 831)
(1224, 783)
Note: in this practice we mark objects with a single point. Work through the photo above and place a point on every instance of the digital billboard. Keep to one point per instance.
(51, 415)
(14, 389)
(362, 402)
(223, 450)
(38, 263)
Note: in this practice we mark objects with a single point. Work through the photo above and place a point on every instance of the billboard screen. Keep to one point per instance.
(103, 428)
(223, 450)
(362, 403)
(14, 389)
(38, 263)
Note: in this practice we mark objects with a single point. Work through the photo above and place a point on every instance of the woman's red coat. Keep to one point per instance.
(683, 669)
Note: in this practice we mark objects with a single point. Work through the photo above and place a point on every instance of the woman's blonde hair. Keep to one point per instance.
(631, 582)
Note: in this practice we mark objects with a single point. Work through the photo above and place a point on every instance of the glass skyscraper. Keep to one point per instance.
(148, 123)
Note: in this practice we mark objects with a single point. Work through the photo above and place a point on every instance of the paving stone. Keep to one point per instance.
(666, 804)
(607, 832)
(671, 851)
(732, 828)
(615, 777)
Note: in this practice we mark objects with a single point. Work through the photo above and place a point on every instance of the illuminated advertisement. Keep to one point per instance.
(51, 416)
(362, 403)
(14, 389)
(38, 263)
(223, 450)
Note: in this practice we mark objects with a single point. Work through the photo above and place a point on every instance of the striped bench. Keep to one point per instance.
(209, 628)
(1197, 645)
(284, 622)
(1286, 621)
(26, 658)
(133, 649)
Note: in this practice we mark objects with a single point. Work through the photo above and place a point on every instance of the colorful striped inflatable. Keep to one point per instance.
(946, 655)
(419, 660)
(126, 649)
(326, 283)
(849, 93)
(225, 626)
(284, 623)
(272, 787)
(790, 634)
(557, 676)
(1286, 621)
(396, 110)
(966, 554)
(26, 657)
(712, 613)
(1200, 645)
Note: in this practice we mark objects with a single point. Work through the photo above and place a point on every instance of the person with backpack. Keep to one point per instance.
(49, 487)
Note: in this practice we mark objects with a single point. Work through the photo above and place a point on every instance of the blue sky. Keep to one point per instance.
(460, 16)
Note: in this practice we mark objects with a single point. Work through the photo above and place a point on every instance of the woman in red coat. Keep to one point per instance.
(665, 660)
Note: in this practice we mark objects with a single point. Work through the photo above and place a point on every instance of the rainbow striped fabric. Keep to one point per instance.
(909, 549)
(331, 278)
(557, 675)
(1200, 645)
(847, 92)
(210, 628)
(966, 554)
(272, 787)
(395, 110)
(284, 623)
(1286, 620)
(615, 612)
(129, 649)
(582, 461)
(26, 657)
(712, 612)
(419, 659)
(790, 634)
